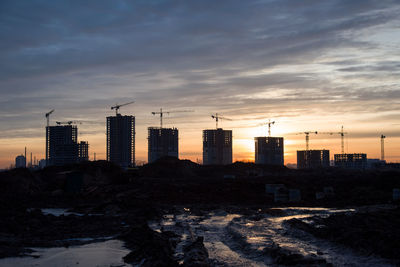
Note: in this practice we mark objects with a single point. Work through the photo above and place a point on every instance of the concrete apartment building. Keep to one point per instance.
(62, 145)
(217, 147)
(351, 161)
(312, 159)
(121, 140)
(162, 142)
(269, 150)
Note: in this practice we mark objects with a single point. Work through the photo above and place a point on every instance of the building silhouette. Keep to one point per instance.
(83, 153)
(217, 147)
(20, 161)
(162, 142)
(351, 161)
(311, 159)
(121, 140)
(62, 145)
(269, 150)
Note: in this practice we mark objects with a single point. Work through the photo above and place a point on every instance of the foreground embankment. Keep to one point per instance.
(98, 203)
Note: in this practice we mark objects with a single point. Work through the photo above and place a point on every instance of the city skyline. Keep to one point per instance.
(310, 66)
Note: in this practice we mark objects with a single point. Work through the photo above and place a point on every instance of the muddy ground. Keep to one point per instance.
(112, 203)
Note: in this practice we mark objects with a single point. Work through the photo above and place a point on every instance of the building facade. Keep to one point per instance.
(83, 151)
(121, 140)
(351, 161)
(162, 142)
(269, 150)
(312, 159)
(20, 161)
(217, 147)
(62, 145)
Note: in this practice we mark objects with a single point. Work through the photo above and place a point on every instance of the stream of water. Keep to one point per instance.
(238, 240)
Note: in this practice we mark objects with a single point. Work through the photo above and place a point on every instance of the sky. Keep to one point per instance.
(307, 65)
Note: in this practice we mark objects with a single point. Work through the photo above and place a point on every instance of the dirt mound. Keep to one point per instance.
(149, 248)
(368, 232)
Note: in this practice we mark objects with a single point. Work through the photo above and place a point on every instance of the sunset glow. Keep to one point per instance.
(250, 61)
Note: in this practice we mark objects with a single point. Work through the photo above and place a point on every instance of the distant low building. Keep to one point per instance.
(42, 163)
(312, 159)
(351, 161)
(375, 163)
(20, 161)
(269, 150)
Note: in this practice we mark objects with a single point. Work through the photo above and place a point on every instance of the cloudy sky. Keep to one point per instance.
(308, 65)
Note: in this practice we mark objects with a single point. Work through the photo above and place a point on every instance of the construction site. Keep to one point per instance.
(63, 147)
(121, 138)
(269, 150)
(172, 212)
(217, 144)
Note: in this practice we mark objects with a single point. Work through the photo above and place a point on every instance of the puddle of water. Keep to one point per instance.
(108, 253)
(59, 212)
(236, 240)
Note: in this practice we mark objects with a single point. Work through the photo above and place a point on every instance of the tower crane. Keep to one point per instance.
(383, 147)
(48, 116)
(307, 137)
(67, 122)
(342, 133)
(269, 123)
(161, 113)
(47, 135)
(117, 107)
(218, 117)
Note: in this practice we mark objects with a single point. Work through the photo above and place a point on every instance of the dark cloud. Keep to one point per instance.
(238, 57)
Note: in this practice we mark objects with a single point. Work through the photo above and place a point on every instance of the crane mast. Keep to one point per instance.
(308, 138)
(48, 116)
(269, 123)
(161, 113)
(218, 117)
(341, 133)
(383, 147)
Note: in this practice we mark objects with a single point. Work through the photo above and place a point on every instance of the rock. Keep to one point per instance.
(149, 248)
(56, 193)
(196, 254)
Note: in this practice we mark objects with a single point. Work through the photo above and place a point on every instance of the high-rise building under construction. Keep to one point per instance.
(121, 140)
(62, 145)
(217, 147)
(162, 142)
(269, 150)
(312, 159)
(351, 161)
